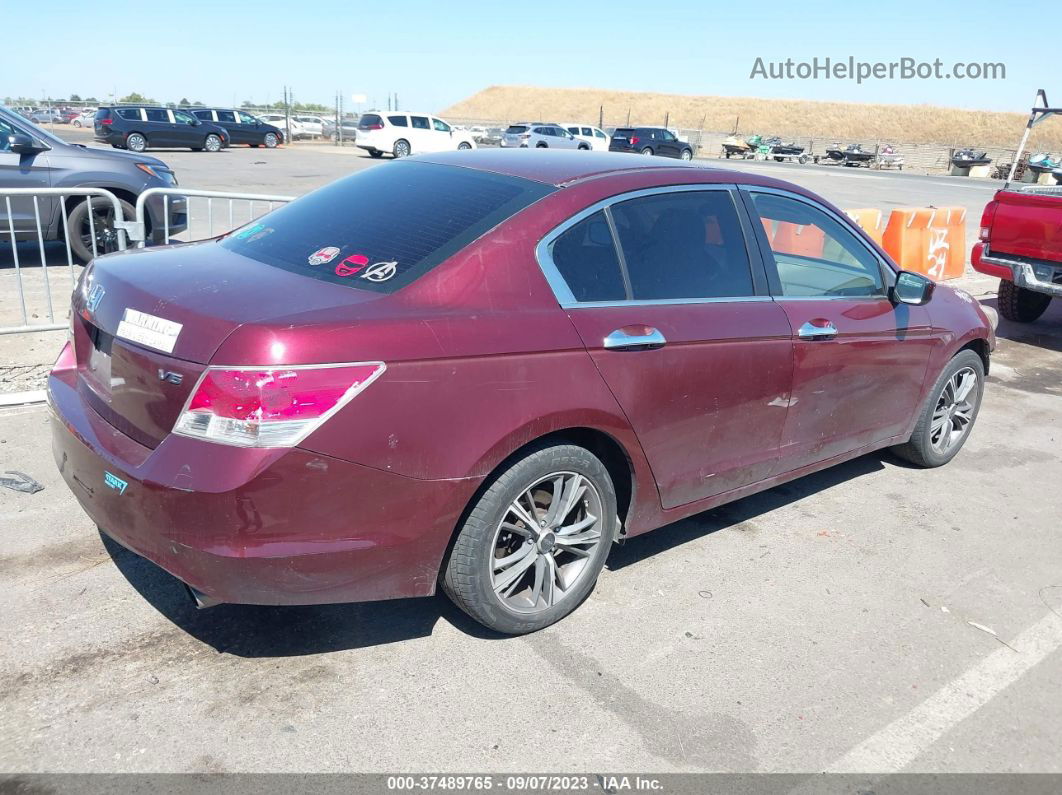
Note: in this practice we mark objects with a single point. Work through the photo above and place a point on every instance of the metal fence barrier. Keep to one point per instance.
(36, 223)
(203, 228)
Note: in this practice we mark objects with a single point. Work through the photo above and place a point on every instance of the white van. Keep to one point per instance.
(401, 134)
(594, 136)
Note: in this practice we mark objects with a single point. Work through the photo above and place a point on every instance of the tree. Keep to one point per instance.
(198, 104)
(75, 98)
(91, 99)
(184, 103)
(136, 99)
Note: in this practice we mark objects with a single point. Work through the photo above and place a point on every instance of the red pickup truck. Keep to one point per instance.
(1021, 243)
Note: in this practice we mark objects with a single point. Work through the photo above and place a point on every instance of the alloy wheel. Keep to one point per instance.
(213, 143)
(544, 541)
(136, 143)
(954, 411)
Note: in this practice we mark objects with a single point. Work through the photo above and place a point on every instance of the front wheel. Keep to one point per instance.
(212, 143)
(136, 142)
(949, 413)
(76, 123)
(686, 154)
(1019, 304)
(270, 141)
(101, 226)
(464, 146)
(534, 543)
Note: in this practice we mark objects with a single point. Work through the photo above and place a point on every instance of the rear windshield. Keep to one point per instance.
(370, 120)
(515, 129)
(382, 228)
(102, 113)
(623, 132)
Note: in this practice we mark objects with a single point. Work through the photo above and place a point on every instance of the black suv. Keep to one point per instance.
(242, 127)
(650, 141)
(137, 127)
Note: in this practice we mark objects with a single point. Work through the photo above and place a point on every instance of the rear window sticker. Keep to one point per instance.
(247, 231)
(323, 255)
(266, 230)
(351, 265)
(145, 329)
(380, 271)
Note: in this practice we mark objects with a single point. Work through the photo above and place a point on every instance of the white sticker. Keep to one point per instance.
(155, 332)
(380, 272)
(323, 255)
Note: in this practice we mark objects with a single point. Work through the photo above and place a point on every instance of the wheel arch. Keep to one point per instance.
(602, 444)
(978, 345)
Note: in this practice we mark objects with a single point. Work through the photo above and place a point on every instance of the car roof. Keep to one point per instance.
(563, 168)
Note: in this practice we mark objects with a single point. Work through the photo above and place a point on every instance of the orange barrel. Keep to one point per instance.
(803, 241)
(869, 220)
(906, 238)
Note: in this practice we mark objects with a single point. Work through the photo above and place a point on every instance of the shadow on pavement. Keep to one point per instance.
(256, 631)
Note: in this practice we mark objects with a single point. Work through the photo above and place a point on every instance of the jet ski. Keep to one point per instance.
(1042, 162)
(735, 145)
(888, 157)
(834, 154)
(968, 158)
(855, 155)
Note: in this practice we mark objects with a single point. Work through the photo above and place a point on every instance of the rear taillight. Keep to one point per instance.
(373, 127)
(67, 358)
(634, 140)
(106, 121)
(270, 406)
(986, 220)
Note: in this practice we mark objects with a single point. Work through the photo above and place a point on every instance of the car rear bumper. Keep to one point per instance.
(1037, 275)
(273, 527)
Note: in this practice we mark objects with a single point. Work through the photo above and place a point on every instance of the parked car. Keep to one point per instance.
(533, 135)
(140, 127)
(594, 136)
(459, 370)
(650, 141)
(279, 121)
(313, 125)
(242, 127)
(403, 134)
(84, 118)
(45, 116)
(31, 157)
(1020, 244)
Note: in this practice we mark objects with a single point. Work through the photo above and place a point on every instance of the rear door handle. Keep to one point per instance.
(814, 331)
(634, 338)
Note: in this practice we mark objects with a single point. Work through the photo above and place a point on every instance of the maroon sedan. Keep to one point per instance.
(482, 369)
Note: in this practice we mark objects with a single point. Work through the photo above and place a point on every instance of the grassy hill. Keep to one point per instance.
(796, 117)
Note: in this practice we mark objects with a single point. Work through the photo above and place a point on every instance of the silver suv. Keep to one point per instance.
(541, 135)
(31, 157)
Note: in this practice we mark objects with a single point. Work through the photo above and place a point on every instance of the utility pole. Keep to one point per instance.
(287, 115)
(396, 100)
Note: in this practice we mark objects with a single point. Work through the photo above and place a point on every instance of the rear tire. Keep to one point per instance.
(647, 151)
(949, 413)
(541, 146)
(1019, 304)
(375, 153)
(401, 148)
(135, 142)
(550, 581)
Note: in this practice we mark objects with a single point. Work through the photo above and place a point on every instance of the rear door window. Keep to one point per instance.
(586, 257)
(133, 114)
(382, 228)
(158, 115)
(420, 122)
(399, 121)
(227, 115)
(204, 115)
(683, 245)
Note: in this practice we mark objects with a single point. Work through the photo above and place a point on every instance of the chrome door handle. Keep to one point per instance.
(811, 331)
(622, 340)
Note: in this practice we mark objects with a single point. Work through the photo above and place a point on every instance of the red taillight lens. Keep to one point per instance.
(634, 140)
(986, 220)
(270, 406)
(106, 121)
(373, 127)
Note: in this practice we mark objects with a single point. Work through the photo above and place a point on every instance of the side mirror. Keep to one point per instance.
(23, 144)
(911, 288)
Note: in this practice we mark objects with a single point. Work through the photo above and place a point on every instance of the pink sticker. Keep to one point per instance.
(323, 255)
(351, 265)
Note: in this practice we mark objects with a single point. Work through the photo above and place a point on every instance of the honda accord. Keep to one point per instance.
(480, 369)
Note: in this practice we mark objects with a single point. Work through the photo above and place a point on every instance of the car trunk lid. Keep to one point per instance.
(145, 327)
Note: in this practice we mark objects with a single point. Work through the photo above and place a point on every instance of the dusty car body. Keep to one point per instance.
(502, 350)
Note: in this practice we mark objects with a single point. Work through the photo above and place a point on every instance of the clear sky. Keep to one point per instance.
(436, 53)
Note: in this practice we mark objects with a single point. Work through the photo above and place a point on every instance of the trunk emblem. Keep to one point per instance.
(94, 297)
(170, 377)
